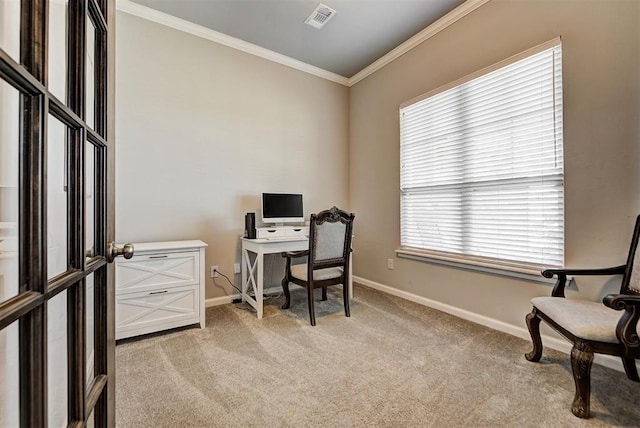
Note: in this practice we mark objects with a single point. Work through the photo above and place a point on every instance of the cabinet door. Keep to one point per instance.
(150, 311)
(148, 272)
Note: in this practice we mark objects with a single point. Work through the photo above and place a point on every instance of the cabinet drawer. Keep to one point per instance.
(140, 313)
(153, 271)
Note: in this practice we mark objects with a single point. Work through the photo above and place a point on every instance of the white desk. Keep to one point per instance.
(253, 273)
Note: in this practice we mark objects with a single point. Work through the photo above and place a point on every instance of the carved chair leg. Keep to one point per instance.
(324, 293)
(312, 313)
(630, 369)
(287, 295)
(533, 323)
(345, 297)
(581, 361)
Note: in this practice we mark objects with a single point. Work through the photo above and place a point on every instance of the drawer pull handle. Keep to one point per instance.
(271, 231)
(297, 230)
(158, 257)
(158, 292)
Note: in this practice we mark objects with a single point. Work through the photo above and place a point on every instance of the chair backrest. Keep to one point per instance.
(330, 238)
(631, 279)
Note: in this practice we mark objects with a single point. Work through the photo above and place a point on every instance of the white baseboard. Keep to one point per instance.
(217, 301)
(551, 342)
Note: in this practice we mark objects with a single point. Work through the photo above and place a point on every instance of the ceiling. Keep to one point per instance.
(359, 33)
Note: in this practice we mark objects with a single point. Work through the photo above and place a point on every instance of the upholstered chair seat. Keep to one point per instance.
(582, 318)
(299, 271)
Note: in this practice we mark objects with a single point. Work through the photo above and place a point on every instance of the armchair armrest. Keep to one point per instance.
(291, 255)
(294, 254)
(558, 289)
(617, 270)
(626, 328)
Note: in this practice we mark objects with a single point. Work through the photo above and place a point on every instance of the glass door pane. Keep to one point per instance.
(90, 64)
(90, 327)
(57, 211)
(10, 28)
(90, 199)
(9, 381)
(58, 48)
(57, 360)
(9, 203)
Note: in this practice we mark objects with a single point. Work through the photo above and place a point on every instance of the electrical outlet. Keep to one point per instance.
(389, 263)
(214, 271)
(236, 268)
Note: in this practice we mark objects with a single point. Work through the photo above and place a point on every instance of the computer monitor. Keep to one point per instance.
(282, 208)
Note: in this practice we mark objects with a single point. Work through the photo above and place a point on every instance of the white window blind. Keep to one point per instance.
(481, 171)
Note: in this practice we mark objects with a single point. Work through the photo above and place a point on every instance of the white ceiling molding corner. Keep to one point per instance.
(450, 18)
(153, 15)
(127, 6)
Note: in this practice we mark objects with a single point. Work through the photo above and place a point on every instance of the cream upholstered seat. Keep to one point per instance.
(300, 272)
(328, 258)
(610, 328)
(588, 320)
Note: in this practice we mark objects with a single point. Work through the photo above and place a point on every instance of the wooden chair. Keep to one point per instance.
(328, 258)
(592, 327)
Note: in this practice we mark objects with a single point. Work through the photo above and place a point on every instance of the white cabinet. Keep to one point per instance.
(160, 287)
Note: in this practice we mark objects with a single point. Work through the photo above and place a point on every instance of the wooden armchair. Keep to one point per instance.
(328, 258)
(592, 327)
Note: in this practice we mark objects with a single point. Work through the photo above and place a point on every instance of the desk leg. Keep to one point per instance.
(260, 283)
(252, 276)
(245, 268)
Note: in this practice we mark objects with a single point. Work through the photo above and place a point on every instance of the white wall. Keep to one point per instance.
(601, 80)
(202, 130)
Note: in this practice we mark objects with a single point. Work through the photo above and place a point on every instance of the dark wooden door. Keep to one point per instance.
(56, 213)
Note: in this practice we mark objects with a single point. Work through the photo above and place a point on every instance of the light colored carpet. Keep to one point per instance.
(394, 363)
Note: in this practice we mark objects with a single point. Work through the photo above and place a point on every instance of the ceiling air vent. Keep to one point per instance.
(320, 16)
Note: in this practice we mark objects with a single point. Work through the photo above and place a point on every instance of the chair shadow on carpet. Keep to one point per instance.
(299, 310)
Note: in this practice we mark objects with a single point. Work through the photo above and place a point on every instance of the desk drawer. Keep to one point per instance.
(275, 232)
(298, 231)
(283, 232)
(153, 271)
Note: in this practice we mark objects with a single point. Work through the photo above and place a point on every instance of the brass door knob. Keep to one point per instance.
(112, 251)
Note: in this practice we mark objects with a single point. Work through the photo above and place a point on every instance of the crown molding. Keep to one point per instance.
(149, 14)
(127, 6)
(449, 19)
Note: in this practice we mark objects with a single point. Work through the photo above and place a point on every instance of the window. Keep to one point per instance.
(481, 166)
